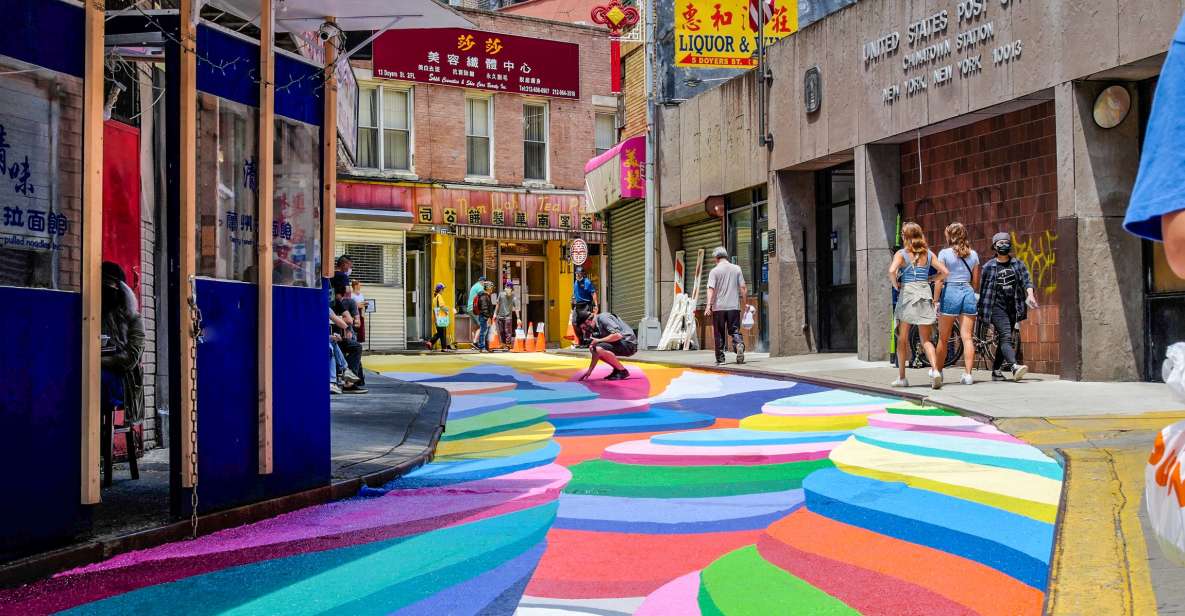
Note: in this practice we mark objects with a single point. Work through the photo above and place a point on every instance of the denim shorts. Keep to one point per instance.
(958, 299)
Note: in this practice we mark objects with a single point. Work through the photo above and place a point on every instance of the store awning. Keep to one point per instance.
(351, 15)
(526, 235)
(617, 175)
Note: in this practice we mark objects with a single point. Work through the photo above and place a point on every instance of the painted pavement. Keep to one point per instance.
(676, 492)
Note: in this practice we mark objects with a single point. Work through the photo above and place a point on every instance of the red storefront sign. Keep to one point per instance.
(482, 60)
(436, 205)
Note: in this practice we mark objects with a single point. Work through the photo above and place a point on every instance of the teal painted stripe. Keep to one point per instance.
(976, 451)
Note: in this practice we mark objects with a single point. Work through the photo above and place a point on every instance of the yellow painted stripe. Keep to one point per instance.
(1011, 490)
(497, 444)
(1100, 562)
(786, 423)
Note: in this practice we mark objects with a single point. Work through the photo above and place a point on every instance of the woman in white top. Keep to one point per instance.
(958, 298)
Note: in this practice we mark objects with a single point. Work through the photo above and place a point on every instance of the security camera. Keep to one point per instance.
(328, 31)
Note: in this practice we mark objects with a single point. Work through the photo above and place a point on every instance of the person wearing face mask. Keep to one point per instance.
(1005, 296)
(341, 276)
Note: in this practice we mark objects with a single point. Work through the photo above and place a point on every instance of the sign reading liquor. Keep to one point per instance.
(723, 33)
(482, 60)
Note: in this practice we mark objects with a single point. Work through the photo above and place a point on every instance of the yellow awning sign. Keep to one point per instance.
(722, 33)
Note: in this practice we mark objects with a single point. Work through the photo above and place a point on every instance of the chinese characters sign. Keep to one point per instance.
(720, 33)
(632, 158)
(482, 60)
(27, 220)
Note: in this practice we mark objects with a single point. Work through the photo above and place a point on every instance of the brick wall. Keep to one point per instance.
(439, 111)
(998, 174)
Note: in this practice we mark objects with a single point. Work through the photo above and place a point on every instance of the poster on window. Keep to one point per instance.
(28, 220)
(723, 33)
(480, 60)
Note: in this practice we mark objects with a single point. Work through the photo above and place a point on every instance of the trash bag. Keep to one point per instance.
(1164, 487)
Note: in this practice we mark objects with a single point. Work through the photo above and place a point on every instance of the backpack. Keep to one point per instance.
(475, 309)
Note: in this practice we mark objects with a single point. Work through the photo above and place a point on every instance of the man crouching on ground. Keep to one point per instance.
(609, 338)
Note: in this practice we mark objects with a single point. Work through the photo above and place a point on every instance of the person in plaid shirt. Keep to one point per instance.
(1005, 296)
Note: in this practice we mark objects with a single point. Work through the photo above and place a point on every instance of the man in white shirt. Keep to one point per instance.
(726, 294)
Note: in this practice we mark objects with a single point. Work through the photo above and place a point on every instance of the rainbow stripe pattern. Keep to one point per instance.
(675, 492)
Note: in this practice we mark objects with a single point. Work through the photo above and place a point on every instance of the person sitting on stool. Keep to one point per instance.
(610, 338)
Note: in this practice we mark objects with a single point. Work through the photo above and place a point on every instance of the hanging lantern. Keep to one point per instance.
(619, 19)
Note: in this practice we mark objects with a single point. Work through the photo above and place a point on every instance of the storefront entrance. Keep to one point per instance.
(748, 243)
(528, 275)
(416, 304)
(837, 259)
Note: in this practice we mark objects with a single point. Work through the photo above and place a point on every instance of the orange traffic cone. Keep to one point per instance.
(530, 341)
(570, 335)
(540, 339)
(520, 339)
(495, 342)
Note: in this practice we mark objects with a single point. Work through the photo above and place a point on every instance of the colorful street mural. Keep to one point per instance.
(675, 492)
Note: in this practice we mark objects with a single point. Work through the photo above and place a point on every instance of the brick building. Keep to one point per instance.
(1016, 117)
(453, 183)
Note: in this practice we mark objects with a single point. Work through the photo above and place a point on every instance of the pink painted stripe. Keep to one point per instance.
(929, 422)
(679, 597)
(645, 452)
(590, 408)
(819, 411)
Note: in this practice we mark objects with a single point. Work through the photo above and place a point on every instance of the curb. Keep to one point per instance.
(42, 565)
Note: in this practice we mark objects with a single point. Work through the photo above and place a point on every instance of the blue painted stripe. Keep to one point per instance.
(1010, 543)
(834, 397)
(728, 437)
(649, 421)
(484, 593)
(675, 515)
(448, 473)
(470, 406)
(1000, 454)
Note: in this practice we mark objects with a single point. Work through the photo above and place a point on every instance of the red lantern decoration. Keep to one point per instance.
(618, 18)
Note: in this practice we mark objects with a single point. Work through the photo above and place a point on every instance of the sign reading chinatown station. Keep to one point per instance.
(481, 60)
(723, 34)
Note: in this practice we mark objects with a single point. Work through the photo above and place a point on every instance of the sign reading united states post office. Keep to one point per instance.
(723, 33)
(481, 60)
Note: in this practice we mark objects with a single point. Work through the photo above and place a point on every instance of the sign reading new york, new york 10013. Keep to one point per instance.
(723, 33)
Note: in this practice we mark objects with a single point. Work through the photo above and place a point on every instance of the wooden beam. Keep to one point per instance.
(187, 243)
(329, 160)
(263, 229)
(92, 245)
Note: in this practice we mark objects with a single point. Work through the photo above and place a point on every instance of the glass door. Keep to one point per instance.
(414, 301)
(535, 291)
(837, 259)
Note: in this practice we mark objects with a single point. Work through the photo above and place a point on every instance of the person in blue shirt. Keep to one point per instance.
(1158, 198)
(584, 299)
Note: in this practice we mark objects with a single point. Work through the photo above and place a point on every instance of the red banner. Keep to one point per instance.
(435, 205)
(482, 60)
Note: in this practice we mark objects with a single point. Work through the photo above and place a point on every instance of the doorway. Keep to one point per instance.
(748, 242)
(527, 274)
(414, 301)
(836, 247)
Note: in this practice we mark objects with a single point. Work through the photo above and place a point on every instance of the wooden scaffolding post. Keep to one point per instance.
(187, 222)
(92, 245)
(329, 158)
(263, 228)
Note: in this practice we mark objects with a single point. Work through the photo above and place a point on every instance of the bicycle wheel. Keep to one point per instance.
(954, 347)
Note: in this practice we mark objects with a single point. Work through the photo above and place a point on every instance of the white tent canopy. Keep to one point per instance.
(351, 15)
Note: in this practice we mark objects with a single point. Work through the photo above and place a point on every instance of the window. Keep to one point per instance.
(478, 124)
(296, 226)
(535, 142)
(385, 112)
(227, 181)
(606, 132)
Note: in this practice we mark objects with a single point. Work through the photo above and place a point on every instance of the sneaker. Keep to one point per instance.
(354, 389)
(740, 352)
(936, 379)
(997, 375)
(1019, 371)
(899, 383)
(967, 379)
(349, 377)
(719, 361)
(334, 389)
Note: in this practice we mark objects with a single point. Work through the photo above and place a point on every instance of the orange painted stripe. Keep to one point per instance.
(963, 581)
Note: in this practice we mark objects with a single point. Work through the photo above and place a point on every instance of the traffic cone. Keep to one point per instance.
(495, 342)
(540, 339)
(519, 339)
(530, 341)
(570, 335)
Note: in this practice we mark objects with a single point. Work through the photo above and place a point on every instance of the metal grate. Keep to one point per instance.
(375, 264)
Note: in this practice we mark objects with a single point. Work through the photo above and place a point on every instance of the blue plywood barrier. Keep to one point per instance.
(40, 398)
(227, 424)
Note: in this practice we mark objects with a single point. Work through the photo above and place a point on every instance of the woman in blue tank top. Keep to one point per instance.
(958, 297)
(910, 274)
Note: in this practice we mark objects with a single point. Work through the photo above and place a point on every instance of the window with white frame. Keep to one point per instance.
(479, 122)
(606, 132)
(535, 141)
(384, 128)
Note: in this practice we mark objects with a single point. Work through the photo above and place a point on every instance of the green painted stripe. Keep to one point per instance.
(742, 583)
(916, 409)
(605, 478)
(491, 423)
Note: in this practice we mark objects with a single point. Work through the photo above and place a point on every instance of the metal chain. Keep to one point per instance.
(195, 332)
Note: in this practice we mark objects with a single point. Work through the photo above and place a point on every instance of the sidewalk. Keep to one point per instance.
(1104, 561)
